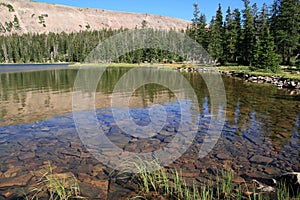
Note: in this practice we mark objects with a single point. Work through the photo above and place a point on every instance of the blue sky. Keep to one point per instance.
(174, 8)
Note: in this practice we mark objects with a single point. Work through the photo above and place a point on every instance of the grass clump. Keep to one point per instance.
(155, 182)
(56, 187)
(285, 192)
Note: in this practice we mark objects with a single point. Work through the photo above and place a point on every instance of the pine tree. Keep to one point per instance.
(262, 21)
(230, 37)
(273, 22)
(202, 31)
(195, 25)
(266, 58)
(198, 31)
(248, 44)
(215, 46)
(255, 14)
(238, 35)
(287, 29)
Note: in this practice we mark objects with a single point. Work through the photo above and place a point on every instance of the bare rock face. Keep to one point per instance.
(22, 16)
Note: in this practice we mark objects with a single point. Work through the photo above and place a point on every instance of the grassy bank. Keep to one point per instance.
(160, 184)
(284, 73)
(104, 65)
(163, 184)
(170, 184)
(172, 65)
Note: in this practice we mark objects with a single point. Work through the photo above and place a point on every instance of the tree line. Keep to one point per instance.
(260, 38)
(75, 47)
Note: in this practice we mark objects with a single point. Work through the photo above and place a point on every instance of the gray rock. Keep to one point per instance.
(280, 84)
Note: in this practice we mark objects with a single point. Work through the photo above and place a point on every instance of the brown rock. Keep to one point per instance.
(11, 160)
(7, 194)
(98, 169)
(16, 181)
(85, 178)
(62, 175)
(271, 171)
(260, 159)
(223, 156)
(12, 171)
(238, 179)
(94, 189)
(26, 155)
(85, 155)
(190, 174)
(131, 147)
(103, 185)
(103, 190)
(76, 145)
(117, 191)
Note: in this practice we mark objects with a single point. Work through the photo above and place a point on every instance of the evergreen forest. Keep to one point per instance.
(263, 38)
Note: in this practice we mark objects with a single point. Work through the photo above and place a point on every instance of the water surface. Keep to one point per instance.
(260, 136)
(29, 67)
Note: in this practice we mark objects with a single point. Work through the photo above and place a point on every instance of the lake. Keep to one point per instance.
(260, 137)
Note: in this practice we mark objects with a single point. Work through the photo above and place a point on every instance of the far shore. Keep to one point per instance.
(132, 64)
(288, 73)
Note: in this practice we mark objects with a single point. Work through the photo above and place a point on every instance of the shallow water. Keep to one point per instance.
(260, 137)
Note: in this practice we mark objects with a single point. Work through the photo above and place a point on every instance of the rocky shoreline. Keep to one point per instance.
(280, 82)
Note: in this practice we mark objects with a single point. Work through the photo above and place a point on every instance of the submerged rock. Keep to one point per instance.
(15, 181)
(261, 159)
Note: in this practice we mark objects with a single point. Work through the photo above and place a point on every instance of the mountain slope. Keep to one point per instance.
(21, 16)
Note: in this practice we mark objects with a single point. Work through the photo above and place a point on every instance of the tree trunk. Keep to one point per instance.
(5, 52)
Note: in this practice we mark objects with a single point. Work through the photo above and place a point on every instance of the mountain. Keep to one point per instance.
(22, 16)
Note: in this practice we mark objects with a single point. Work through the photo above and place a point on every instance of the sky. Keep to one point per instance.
(174, 8)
